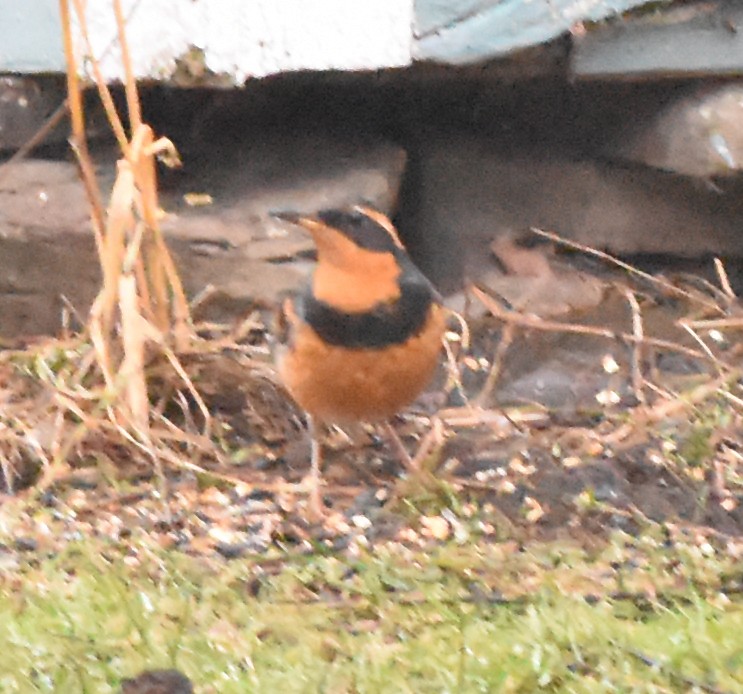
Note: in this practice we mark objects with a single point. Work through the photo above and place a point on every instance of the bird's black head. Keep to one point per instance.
(365, 227)
(361, 228)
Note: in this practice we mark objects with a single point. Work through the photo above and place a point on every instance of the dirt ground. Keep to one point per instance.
(545, 430)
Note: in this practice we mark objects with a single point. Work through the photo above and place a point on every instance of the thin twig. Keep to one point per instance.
(453, 369)
(504, 343)
(536, 323)
(714, 290)
(35, 140)
(625, 266)
(639, 334)
(733, 399)
(702, 344)
(670, 404)
(722, 275)
(715, 323)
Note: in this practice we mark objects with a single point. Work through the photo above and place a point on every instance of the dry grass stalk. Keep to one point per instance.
(79, 399)
(46, 128)
(141, 295)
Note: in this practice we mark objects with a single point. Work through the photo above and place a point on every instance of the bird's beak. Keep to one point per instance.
(291, 217)
(307, 222)
(331, 244)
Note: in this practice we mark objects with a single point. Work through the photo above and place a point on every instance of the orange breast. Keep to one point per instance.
(334, 384)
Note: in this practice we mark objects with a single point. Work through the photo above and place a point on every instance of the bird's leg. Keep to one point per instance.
(317, 509)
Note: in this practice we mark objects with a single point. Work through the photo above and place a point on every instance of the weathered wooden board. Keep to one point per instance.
(432, 15)
(470, 31)
(230, 39)
(705, 38)
(234, 40)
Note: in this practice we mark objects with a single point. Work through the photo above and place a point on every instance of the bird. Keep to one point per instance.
(363, 338)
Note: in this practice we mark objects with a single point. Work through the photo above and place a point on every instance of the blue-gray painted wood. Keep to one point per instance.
(470, 31)
(452, 32)
(30, 36)
(431, 15)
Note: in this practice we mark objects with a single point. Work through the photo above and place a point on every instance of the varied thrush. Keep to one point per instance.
(363, 338)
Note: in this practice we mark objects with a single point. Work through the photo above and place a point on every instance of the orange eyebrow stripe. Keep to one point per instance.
(383, 221)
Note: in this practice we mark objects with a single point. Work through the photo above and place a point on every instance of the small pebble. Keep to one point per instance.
(26, 544)
(435, 526)
(231, 551)
(223, 535)
(361, 522)
(213, 496)
(48, 499)
(260, 495)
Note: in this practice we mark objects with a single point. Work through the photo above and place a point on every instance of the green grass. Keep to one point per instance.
(633, 616)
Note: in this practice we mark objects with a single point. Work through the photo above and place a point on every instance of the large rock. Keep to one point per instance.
(685, 39)
(233, 244)
(46, 248)
(696, 134)
(468, 191)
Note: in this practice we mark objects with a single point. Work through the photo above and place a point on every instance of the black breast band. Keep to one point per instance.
(385, 325)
